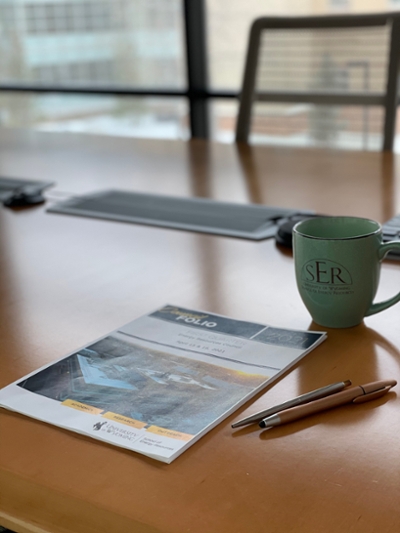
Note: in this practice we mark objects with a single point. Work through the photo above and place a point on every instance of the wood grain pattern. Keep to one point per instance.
(65, 281)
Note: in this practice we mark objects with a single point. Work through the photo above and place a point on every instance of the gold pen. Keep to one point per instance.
(299, 400)
(358, 394)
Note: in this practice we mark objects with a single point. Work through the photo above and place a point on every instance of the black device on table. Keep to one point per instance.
(391, 232)
(21, 192)
(284, 234)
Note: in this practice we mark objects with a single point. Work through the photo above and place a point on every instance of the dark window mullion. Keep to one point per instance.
(196, 57)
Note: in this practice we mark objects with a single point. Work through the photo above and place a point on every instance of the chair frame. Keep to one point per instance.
(388, 100)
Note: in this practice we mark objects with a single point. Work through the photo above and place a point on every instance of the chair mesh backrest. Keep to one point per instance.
(343, 59)
(321, 60)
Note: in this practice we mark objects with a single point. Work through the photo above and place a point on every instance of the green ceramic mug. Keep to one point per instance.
(337, 262)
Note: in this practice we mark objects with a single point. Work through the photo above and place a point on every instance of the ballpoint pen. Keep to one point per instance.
(299, 400)
(358, 394)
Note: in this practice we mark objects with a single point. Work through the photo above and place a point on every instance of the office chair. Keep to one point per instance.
(319, 69)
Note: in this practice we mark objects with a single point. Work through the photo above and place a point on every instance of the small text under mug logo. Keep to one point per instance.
(326, 272)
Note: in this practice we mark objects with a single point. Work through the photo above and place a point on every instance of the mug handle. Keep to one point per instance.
(380, 306)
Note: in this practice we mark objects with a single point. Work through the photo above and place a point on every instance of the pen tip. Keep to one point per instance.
(347, 382)
(262, 424)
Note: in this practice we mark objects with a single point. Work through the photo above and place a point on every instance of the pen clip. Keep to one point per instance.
(372, 395)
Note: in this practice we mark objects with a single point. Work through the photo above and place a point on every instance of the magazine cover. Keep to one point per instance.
(159, 383)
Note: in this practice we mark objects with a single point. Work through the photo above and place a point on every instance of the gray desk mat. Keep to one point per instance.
(248, 221)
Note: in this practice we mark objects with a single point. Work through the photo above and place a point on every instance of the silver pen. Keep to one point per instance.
(352, 395)
(299, 400)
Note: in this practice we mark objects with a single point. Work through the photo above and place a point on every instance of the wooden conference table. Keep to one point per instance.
(65, 281)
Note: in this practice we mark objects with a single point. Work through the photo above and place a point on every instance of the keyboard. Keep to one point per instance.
(391, 232)
(248, 221)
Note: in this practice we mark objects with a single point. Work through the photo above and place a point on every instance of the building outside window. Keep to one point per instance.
(140, 44)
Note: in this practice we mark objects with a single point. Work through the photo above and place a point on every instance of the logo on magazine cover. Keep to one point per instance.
(98, 426)
(195, 319)
(116, 431)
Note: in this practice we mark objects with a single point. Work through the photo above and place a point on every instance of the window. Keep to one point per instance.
(138, 48)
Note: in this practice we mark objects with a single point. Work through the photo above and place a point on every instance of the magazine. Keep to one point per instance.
(159, 383)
